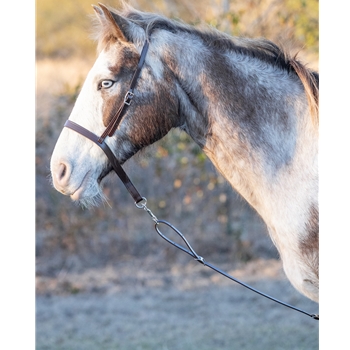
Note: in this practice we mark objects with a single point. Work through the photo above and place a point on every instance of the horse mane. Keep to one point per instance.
(261, 48)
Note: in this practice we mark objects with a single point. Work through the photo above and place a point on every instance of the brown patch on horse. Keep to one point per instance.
(129, 60)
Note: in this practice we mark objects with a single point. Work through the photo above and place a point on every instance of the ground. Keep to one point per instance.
(147, 305)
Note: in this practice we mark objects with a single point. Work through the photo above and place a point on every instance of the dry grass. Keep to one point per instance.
(174, 307)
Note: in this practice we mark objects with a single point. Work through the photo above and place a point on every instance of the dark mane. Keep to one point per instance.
(261, 49)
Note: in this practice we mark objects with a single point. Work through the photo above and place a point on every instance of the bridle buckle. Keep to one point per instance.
(128, 97)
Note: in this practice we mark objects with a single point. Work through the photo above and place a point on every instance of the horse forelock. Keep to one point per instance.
(102, 34)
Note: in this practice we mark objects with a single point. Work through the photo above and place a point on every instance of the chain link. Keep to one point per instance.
(142, 205)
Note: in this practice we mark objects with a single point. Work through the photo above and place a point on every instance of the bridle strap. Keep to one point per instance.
(115, 164)
(112, 126)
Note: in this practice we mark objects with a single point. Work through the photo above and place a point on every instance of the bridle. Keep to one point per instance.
(112, 127)
(140, 201)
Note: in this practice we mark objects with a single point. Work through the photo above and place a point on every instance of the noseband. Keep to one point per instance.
(141, 201)
(112, 127)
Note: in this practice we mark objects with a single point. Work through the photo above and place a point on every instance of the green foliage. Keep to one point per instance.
(302, 15)
(295, 21)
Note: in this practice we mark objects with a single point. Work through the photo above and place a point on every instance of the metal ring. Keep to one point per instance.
(143, 202)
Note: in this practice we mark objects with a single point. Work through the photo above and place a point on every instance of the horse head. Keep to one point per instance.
(77, 165)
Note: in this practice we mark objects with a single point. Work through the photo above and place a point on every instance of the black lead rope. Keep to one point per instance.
(202, 261)
(190, 251)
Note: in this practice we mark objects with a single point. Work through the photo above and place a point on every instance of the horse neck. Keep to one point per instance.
(252, 121)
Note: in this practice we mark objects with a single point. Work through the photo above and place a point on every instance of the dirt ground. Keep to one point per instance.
(145, 305)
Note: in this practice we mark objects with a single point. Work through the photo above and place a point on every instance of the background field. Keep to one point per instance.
(104, 279)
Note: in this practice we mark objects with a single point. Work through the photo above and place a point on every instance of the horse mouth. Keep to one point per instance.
(78, 193)
(88, 187)
(104, 173)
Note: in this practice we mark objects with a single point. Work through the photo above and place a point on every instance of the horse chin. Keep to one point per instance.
(91, 196)
(92, 200)
(90, 193)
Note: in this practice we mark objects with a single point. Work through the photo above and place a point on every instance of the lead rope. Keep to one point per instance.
(190, 251)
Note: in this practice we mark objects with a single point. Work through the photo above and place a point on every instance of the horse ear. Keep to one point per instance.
(122, 27)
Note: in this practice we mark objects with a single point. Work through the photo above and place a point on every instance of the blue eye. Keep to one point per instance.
(105, 84)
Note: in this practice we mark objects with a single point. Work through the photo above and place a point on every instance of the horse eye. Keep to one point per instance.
(105, 84)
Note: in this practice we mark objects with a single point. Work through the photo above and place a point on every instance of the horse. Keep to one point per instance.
(249, 105)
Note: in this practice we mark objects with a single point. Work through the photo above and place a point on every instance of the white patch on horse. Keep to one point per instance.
(83, 163)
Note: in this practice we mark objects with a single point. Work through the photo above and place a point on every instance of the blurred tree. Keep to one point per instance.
(303, 16)
(62, 28)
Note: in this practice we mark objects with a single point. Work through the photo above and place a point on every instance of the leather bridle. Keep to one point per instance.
(141, 201)
(112, 127)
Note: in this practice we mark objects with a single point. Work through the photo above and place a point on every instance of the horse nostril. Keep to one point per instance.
(62, 170)
(62, 174)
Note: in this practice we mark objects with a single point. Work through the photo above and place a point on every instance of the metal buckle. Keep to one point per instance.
(128, 97)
